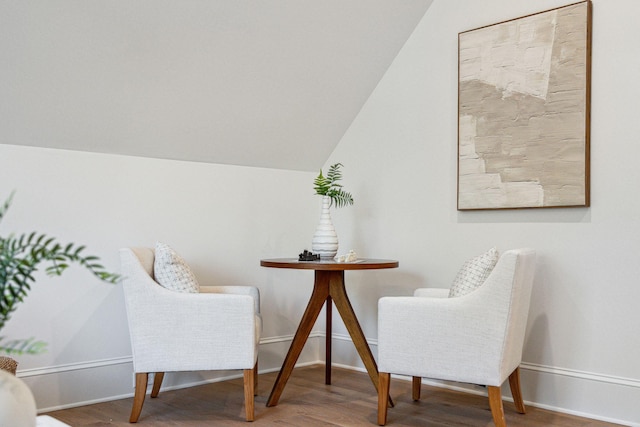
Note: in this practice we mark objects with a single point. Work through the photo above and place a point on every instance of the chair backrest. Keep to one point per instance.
(137, 269)
(501, 306)
(145, 257)
(513, 278)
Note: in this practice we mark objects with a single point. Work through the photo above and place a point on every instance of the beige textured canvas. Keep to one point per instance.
(523, 112)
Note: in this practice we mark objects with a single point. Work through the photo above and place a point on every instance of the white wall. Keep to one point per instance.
(222, 219)
(582, 345)
(400, 162)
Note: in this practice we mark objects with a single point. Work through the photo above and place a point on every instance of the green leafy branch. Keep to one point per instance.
(329, 186)
(20, 257)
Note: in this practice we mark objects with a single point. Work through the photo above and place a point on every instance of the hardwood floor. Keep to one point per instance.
(306, 401)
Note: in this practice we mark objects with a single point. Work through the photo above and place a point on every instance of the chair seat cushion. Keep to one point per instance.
(473, 273)
(172, 272)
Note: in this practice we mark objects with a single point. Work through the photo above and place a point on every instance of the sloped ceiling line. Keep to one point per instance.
(273, 84)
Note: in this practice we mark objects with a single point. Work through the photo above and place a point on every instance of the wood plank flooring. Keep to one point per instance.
(306, 401)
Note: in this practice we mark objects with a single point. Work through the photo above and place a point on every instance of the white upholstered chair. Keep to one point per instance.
(216, 329)
(476, 338)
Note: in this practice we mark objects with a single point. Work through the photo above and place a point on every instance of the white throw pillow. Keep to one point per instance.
(473, 273)
(172, 272)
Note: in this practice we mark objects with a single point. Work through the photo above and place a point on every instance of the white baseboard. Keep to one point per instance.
(86, 383)
(586, 394)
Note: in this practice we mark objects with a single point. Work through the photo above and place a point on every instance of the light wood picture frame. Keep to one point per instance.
(524, 111)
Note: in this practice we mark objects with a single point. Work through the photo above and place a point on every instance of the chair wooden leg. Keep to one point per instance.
(415, 389)
(255, 379)
(497, 410)
(384, 383)
(157, 382)
(249, 392)
(516, 392)
(138, 398)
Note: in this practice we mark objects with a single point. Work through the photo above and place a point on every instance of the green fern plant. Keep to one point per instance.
(21, 255)
(329, 186)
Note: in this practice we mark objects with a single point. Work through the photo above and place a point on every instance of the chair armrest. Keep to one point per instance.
(166, 326)
(47, 421)
(235, 290)
(434, 337)
(431, 292)
(218, 328)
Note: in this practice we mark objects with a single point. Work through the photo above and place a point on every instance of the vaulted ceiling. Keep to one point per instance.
(273, 83)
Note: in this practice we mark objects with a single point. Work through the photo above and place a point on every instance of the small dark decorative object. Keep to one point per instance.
(308, 256)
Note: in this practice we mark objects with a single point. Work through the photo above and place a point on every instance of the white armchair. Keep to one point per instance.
(216, 329)
(476, 338)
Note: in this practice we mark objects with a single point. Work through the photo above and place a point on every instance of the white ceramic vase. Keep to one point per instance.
(325, 239)
(17, 405)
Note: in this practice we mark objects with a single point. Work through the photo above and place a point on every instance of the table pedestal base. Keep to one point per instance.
(328, 287)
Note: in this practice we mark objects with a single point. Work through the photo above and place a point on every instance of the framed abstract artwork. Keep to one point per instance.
(523, 111)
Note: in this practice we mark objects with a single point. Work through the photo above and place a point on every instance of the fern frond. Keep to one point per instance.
(20, 257)
(6, 204)
(329, 186)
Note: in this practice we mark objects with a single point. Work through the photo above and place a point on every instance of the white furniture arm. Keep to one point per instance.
(453, 337)
(431, 292)
(47, 421)
(475, 338)
(190, 328)
(237, 290)
(216, 329)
